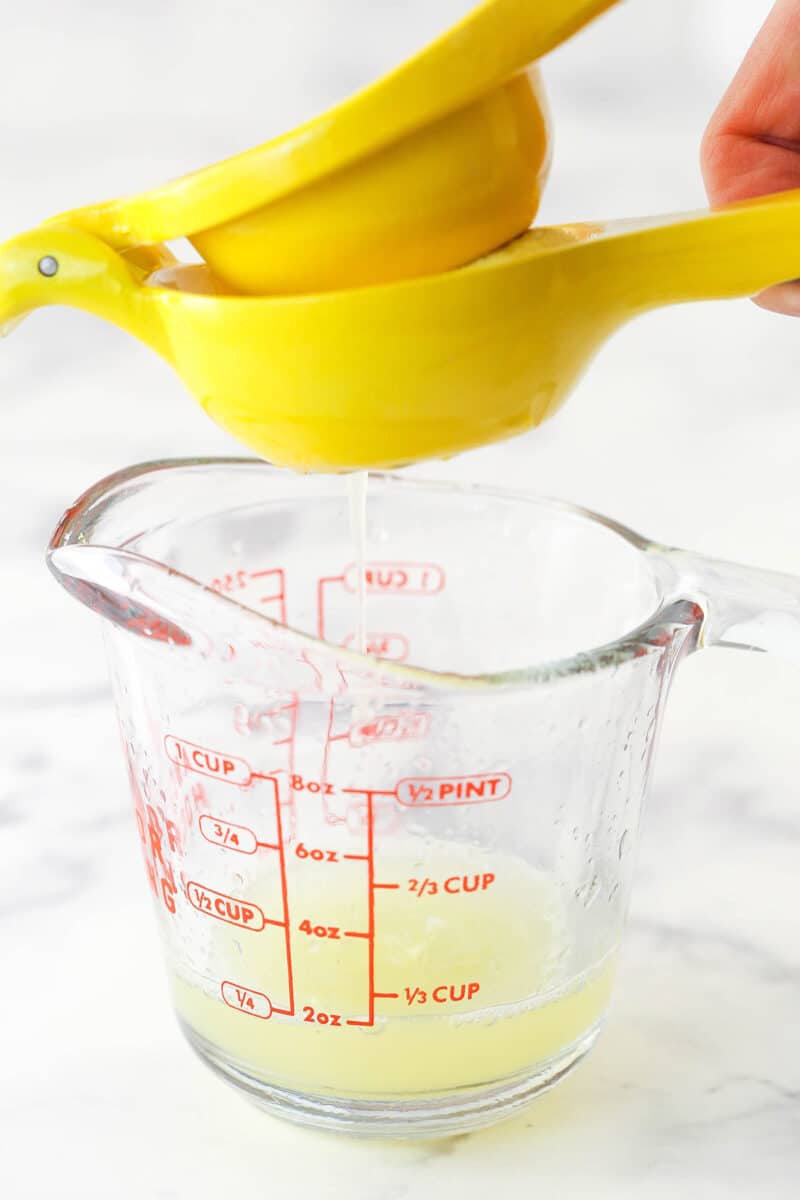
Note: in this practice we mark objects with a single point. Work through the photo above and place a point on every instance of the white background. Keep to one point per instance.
(687, 427)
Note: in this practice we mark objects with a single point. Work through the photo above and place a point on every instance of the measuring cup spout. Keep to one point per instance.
(137, 594)
(745, 608)
(96, 554)
(167, 607)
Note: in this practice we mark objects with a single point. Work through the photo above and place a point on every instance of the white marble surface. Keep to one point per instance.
(688, 428)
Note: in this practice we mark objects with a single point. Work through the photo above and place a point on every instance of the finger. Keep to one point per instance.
(784, 298)
(752, 144)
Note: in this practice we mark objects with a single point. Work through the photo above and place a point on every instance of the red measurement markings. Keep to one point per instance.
(193, 799)
(330, 817)
(231, 582)
(160, 846)
(226, 908)
(230, 836)
(382, 578)
(429, 792)
(369, 934)
(322, 584)
(288, 1012)
(405, 727)
(280, 725)
(316, 854)
(454, 885)
(314, 1016)
(246, 1000)
(332, 932)
(213, 763)
(290, 800)
(386, 816)
(408, 578)
(275, 723)
(231, 909)
(443, 993)
(276, 587)
(288, 740)
(316, 787)
(391, 646)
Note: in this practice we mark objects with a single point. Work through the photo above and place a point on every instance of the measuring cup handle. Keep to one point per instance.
(745, 608)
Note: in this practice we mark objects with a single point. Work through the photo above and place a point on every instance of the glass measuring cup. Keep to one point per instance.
(391, 889)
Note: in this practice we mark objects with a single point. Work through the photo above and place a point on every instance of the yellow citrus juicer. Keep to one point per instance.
(395, 373)
(437, 163)
(386, 373)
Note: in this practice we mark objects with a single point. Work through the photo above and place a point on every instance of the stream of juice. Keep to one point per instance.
(472, 987)
(357, 495)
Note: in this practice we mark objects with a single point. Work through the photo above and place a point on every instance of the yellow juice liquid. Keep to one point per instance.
(472, 987)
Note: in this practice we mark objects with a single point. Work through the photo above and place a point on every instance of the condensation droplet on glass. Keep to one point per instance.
(622, 841)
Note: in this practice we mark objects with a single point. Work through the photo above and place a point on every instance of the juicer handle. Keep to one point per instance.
(719, 254)
(745, 608)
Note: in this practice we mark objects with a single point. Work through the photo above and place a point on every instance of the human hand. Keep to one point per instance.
(752, 144)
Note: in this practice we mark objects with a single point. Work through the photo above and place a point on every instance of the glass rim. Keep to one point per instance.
(652, 634)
